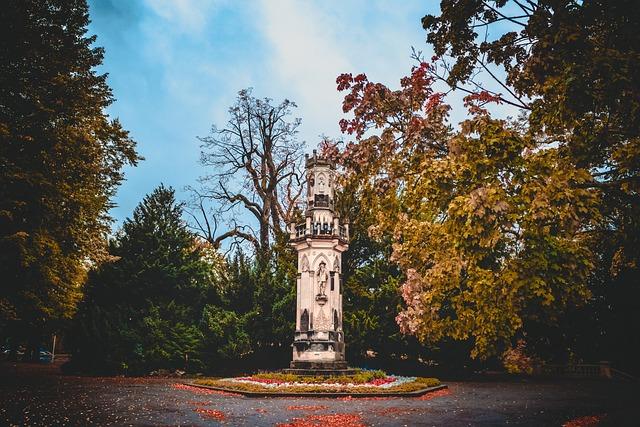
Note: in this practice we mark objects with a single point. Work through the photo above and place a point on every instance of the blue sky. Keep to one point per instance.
(175, 67)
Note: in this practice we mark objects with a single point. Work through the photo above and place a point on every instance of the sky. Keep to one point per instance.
(175, 67)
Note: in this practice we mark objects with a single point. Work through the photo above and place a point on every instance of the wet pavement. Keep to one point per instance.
(32, 394)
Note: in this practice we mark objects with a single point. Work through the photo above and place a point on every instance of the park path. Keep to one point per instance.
(40, 396)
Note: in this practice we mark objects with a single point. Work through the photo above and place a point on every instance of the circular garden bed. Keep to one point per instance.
(362, 383)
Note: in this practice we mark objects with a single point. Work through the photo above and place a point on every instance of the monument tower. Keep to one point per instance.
(318, 343)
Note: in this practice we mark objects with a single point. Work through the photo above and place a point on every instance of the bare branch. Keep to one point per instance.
(508, 18)
(254, 159)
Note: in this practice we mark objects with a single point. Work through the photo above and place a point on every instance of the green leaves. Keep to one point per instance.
(61, 158)
(225, 333)
(489, 228)
(147, 302)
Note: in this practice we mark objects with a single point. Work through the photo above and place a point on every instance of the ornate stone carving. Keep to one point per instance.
(323, 322)
(323, 277)
(319, 342)
(321, 299)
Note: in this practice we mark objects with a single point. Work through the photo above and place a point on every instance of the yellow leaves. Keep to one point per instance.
(488, 229)
(622, 259)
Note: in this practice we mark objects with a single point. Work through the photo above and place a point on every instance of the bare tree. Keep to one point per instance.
(256, 164)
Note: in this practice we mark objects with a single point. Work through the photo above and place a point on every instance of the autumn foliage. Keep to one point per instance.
(61, 162)
(487, 223)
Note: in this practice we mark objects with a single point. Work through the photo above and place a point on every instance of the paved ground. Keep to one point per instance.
(39, 395)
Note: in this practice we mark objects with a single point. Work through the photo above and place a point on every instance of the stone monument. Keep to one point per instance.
(318, 344)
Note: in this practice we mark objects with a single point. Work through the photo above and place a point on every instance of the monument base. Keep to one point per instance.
(319, 368)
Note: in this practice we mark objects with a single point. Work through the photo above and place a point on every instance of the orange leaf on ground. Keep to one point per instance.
(334, 420)
(350, 398)
(588, 421)
(198, 403)
(434, 394)
(211, 413)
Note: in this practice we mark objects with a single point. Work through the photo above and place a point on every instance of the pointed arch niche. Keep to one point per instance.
(304, 264)
(318, 259)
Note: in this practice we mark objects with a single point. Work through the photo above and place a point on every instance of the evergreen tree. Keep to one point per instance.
(142, 311)
(239, 289)
(271, 321)
(61, 158)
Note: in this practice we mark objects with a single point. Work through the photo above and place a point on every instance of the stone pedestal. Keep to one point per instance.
(318, 344)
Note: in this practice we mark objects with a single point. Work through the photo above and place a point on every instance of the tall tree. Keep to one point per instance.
(142, 310)
(574, 69)
(371, 280)
(488, 227)
(61, 158)
(255, 160)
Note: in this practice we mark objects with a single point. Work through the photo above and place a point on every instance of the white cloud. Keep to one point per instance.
(187, 16)
(313, 42)
(305, 61)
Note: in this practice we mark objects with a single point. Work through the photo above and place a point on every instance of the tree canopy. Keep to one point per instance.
(142, 309)
(503, 226)
(61, 158)
(487, 225)
(573, 68)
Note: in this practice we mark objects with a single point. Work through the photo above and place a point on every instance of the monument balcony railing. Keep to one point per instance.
(325, 230)
(342, 232)
(321, 204)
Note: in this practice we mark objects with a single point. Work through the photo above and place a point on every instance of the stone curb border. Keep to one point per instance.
(245, 393)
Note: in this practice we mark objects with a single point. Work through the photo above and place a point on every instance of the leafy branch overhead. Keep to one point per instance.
(572, 66)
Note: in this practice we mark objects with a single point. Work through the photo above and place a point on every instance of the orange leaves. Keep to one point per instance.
(375, 105)
(360, 399)
(433, 101)
(419, 80)
(211, 413)
(481, 98)
(434, 394)
(333, 420)
(588, 421)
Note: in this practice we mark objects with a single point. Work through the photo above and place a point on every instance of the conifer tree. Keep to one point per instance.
(142, 311)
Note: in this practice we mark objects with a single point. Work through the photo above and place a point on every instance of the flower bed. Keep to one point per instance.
(361, 382)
